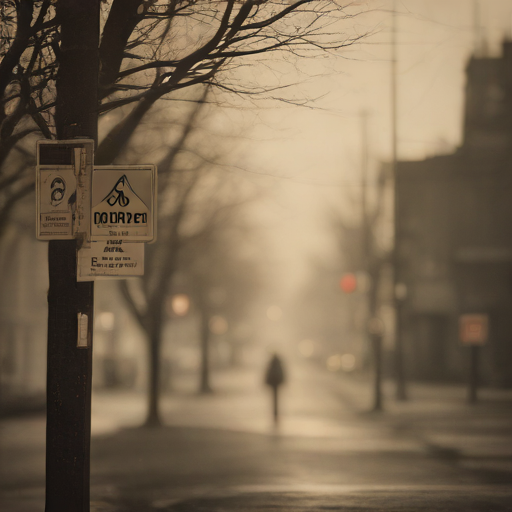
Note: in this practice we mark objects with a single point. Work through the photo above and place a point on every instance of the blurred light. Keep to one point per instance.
(106, 320)
(242, 331)
(218, 324)
(334, 363)
(180, 304)
(306, 348)
(363, 281)
(348, 362)
(188, 358)
(400, 291)
(376, 326)
(348, 283)
(217, 295)
(274, 313)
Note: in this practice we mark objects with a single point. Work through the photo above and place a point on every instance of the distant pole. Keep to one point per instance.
(376, 331)
(370, 267)
(477, 37)
(377, 390)
(69, 371)
(473, 332)
(399, 365)
(473, 374)
(365, 229)
(365, 246)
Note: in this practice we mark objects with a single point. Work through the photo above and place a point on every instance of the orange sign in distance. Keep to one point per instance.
(474, 329)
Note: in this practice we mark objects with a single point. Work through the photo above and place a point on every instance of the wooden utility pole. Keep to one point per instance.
(399, 364)
(365, 246)
(69, 370)
(473, 374)
(374, 328)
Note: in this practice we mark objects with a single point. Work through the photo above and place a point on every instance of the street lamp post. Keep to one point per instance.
(399, 364)
(376, 332)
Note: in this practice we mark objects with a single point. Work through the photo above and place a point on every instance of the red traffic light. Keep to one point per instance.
(348, 283)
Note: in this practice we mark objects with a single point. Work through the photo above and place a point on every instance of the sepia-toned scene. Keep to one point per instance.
(256, 255)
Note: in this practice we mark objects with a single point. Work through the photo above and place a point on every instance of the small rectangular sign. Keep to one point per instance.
(55, 190)
(83, 331)
(63, 177)
(474, 329)
(110, 259)
(123, 203)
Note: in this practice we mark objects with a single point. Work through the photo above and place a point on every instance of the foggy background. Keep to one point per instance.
(299, 163)
(298, 166)
(286, 176)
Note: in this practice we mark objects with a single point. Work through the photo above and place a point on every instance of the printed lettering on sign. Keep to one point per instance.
(110, 259)
(55, 193)
(123, 203)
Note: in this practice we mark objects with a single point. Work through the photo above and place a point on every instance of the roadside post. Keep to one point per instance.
(63, 174)
(64, 186)
(473, 332)
(70, 304)
(376, 332)
(104, 215)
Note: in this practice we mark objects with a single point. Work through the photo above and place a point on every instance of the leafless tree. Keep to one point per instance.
(149, 50)
(196, 202)
(223, 279)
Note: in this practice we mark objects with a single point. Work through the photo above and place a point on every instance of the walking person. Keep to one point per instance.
(274, 378)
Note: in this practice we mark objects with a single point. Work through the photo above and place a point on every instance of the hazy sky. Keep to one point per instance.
(314, 154)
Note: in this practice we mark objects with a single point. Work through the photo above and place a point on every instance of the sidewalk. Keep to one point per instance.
(439, 416)
(221, 452)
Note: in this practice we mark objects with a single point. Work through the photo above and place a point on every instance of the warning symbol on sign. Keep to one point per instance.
(118, 195)
(113, 211)
(123, 203)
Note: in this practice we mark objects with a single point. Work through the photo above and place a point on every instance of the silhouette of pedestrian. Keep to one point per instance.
(274, 378)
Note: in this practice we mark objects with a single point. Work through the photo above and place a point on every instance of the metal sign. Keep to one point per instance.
(110, 259)
(63, 175)
(123, 203)
(105, 207)
(474, 329)
(54, 188)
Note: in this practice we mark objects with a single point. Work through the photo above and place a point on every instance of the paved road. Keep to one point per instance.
(223, 453)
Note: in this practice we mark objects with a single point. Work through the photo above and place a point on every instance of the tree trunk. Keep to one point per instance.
(204, 386)
(153, 418)
(375, 337)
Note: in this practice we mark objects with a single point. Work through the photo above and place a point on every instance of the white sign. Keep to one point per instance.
(110, 259)
(63, 177)
(123, 203)
(55, 190)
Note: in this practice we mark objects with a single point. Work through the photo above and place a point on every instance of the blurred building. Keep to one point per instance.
(23, 316)
(454, 235)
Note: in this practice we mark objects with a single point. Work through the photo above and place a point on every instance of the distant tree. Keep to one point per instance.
(223, 280)
(195, 203)
(150, 50)
(324, 312)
